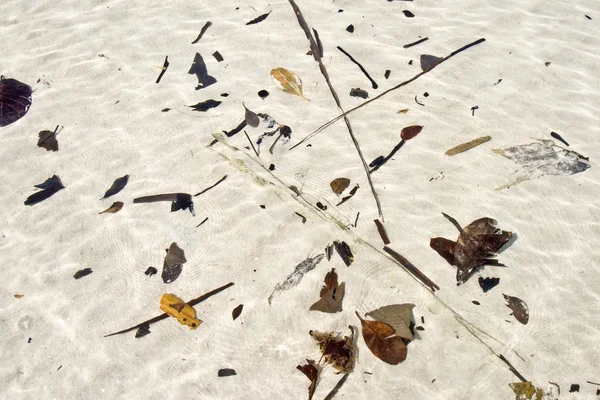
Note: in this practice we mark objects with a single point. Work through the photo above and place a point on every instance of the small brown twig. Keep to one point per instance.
(412, 269)
(210, 187)
(251, 144)
(512, 369)
(382, 232)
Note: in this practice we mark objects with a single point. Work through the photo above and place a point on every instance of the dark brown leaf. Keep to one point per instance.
(15, 100)
(410, 132)
(118, 185)
(173, 264)
(331, 294)
(312, 371)
(519, 308)
(344, 251)
(47, 140)
(237, 311)
(258, 19)
(379, 339)
(116, 207)
(338, 185)
(337, 350)
(49, 187)
(429, 62)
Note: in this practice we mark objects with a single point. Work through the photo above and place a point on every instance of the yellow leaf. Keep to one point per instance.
(403, 111)
(175, 307)
(468, 146)
(287, 81)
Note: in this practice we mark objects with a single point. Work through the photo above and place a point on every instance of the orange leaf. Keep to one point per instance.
(378, 338)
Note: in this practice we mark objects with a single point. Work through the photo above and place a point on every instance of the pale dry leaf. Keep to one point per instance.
(287, 81)
(398, 316)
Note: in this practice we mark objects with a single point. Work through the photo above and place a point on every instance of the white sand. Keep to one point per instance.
(113, 125)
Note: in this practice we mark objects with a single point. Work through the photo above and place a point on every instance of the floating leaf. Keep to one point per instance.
(475, 247)
(428, 62)
(15, 100)
(198, 68)
(226, 372)
(379, 339)
(175, 307)
(337, 350)
(118, 185)
(49, 187)
(204, 106)
(331, 294)
(251, 117)
(410, 132)
(295, 277)
(468, 146)
(237, 311)
(258, 19)
(312, 372)
(116, 207)
(173, 264)
(287, 81)
(540, 158)
(344, 251)
(338, 185)
(519, 308)
(488, 284)
(82, 272)
(398, 316)
(47, 140)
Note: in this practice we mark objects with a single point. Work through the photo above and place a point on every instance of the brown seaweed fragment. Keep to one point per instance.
(331, 295)
(118, 185)
(519, 308)
(337, 351)
(163, 69)
(475, 247)
(338, 185)
(312, 371)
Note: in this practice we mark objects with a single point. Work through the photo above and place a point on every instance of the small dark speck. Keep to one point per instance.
(588, 17)
(408, 14)
(547, 63)
(29, 341)
(350, 28)
(422, 319)
(574, 388)
(433, 380)
(368, 373)
(224, 94)
(426, 94)
(272, 167)
(309, 145)
(321, 206)
(254, 270)
(387, 73)
(340, 10)
(476, 302)
(410, 62)
(226, 372)
(263, 206)
(263, 93)
(117, 102)
(59, 368)
(165, 109)
(217, 56)
(237, 8)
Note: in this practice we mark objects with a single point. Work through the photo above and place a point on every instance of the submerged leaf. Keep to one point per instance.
(47, 140)
(540, 158)
(337, 350)
(116, 207)
(468, 146)
(237, 311)
(338, 185)
(429, 62)
(251, 117)
(519, 308)
(258, 19)
(379, 339)
(295, 277)
(410, 132)
(173, 264)
(82, 272)
(398, 316)
(15, 100)
(287, 81)
(175, 307)
(331, 294)
(117, 186)
(344, 251)
(49, 187)
(198, 68)
(312, 371)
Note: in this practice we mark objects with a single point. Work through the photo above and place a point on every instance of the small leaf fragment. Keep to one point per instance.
(237, 311)
(118, 185)
(428, 62)
(410, 132)
(81, 273)
(18, 296)
(519, 308)
(344, 251)
(287, 81)
(251, 117)
(47, 140)
(331, 294)
(403, 111)
(173, 263)
(312, 371)
(338, 185)
(468, 146)
(398, 316)
(175, 307)
(258, 19)
(204, 106)
(114, 208)
(226, 372)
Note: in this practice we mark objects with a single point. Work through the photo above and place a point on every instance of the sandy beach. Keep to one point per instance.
(93, 68)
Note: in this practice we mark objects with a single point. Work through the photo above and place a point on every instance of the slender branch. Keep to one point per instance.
(210, 187)
(327, 124)
(317, 52)
(412, 269)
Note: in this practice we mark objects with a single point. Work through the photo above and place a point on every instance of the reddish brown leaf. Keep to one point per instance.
(410, 132)
(337, 350)
(379, 339)
(237, 311)
(519, 308)
(338, 185)
(331, 294)
(116, 207)
(312, 371)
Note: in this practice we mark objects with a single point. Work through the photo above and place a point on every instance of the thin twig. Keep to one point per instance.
(356, 220)
(203, 221)
(406, 46)
(192, 303)
(210, 187)
(274, 142)
(251, 144)
(382, 232)
(317, 54)
(512, 369)
(327, 124)
(412, 269)
(337, 387)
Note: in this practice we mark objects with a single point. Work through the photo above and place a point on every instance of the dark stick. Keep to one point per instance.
(317, 51)
(192, 303)
(412, 269)
(364, 71)
(210, 187)
(590, 382)
(251, 144)
(406, 46)
(386, 159)
(327, 124)
(558, 137)
(512, 369)
(382, 232)
(356, 220)
(164, 69)
(337, 387)
(453, 221)
(157, 197)
(204, 28)
(203, 221)
(273, 145)
(301, 216)
(417, 101)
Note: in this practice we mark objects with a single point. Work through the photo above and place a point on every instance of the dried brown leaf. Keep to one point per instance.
(338, 185)
(398, 316)
(379, 339)
(337, 350)
(519, 308)
(312, 371)
(237, 311)
(410, 132)
(331, 294)
(115, 207)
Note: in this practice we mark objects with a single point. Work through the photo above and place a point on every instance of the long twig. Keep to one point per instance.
(210, 187)
(192, 303)
(317, 52)
(326, 125)
(512, 369)
(412, 269)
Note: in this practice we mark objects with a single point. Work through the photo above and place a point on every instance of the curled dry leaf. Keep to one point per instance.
(331, 294)
(410, 132)
(398, 316)
(468, 146)
(312, 372)
(475, 247)
(173, 264)
(287, 81)
(337, 350)
(175, 307)
(115, 207)
(338, 185)
(519, 308)
(379, 339)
